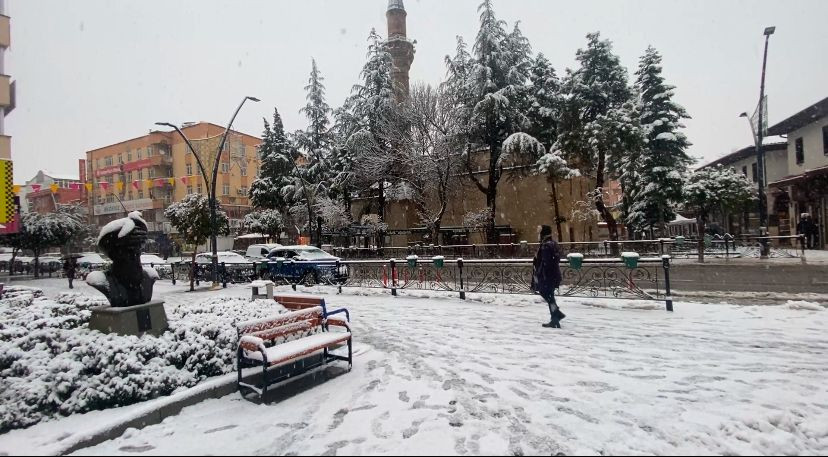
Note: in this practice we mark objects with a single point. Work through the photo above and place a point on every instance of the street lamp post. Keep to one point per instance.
(758, 133)
(211, 181)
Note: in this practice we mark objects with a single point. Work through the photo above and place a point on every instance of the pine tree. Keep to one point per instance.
(309, 177)
(493, 100)
(598, 126)
(278, 163)
(664, 160)
(374, 118)
(268, 222)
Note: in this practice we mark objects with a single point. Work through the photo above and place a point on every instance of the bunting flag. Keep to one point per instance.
(54, 188)
(75, 185)
(16, 189)
(171, 181)
(136, 184)
(184, 180)
(148, 183)
(160, 182)
(88, 187)
(36, 187)
(120, 186)
(104, 185)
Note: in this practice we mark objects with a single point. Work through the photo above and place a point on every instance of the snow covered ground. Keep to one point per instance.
(437, 375)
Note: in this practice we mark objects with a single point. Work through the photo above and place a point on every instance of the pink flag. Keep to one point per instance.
(184, 180)
(75, 185)
(136, 184)
(160, 182)
(36, 187)
(103, 185)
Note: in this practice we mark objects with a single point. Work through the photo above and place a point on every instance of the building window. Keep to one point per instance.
(198, 189)
(189, 169)
(800, 151)
(244, 171)
(110, 199)
(151, 173)
(744, 170)
(225, 167)
(140, 194)
(129, 155)
(120, 159)
(226, 189)
(189, 190)
(825, 139)
(140, 175)
(149, 151)
(108, 161)
(755, 170)
(138, 153)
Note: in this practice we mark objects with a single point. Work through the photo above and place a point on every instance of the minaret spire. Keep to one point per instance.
(402, 50)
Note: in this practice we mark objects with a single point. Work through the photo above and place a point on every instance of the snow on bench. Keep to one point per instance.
(256, 286)
(291, 339)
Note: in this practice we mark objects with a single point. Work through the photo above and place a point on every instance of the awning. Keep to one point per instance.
(796, 179)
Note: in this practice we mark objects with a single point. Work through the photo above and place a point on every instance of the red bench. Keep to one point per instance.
(297, 302)
(292, 342)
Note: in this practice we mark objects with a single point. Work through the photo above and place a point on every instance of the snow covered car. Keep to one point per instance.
(223, 257)
(91, 261)
(305, 264)
(161, 266)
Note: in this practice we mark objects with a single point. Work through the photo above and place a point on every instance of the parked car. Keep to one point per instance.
(91, 261)
(259, 252)
(161, 266)
(223, 257)
(305, 264)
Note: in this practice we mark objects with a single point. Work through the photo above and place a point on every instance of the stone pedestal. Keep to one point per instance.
(257, 287)
(131, 320)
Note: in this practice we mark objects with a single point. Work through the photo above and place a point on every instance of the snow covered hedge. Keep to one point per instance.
(51, 364)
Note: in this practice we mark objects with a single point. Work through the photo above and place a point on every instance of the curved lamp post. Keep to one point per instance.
(210, 181)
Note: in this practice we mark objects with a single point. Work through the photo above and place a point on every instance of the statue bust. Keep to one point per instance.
(127, 282)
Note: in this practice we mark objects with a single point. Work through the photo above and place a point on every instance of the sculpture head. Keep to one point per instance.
(121, 240)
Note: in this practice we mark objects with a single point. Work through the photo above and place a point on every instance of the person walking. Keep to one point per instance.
(70, 267)
(546, 276)
(812, 233)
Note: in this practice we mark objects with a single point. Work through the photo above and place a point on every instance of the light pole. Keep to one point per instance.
(760, 153)
(210, 181)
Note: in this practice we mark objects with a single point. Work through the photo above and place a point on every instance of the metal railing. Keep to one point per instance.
(718, 246)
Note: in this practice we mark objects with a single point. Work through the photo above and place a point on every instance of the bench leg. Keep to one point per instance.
(350, 354)
(239, 367)
(264, 381)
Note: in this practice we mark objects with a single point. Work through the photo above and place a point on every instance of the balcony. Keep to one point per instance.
(5, 147)
(5, 31)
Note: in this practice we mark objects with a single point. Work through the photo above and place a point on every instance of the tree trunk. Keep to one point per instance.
(381, 211)
(701, 226)
(435, 232)
(36, 263)
(557, 209)
(193, 271)
(612, 225)
(311, 222)
(11, 266)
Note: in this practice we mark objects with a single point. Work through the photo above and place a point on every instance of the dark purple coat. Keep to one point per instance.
(547, 273)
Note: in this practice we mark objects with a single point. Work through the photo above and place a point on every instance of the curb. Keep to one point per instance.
(155, 411)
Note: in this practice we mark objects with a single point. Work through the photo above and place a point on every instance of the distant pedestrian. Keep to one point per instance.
(70, 266)
(808, 229)
(547, 276)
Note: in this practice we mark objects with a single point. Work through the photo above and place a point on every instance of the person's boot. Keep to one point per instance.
(559, 316)
(552, 324)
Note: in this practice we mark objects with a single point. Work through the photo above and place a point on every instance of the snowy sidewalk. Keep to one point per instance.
(440, 375)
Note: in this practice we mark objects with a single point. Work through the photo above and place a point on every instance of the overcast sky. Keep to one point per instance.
(95, 72)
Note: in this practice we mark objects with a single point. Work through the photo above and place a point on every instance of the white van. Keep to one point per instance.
(260, 251)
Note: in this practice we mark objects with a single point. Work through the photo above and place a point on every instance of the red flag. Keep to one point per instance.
(75, 186)
(36, 187)
(184, 180)
(160, 182)
(103, 185)
(136, 184)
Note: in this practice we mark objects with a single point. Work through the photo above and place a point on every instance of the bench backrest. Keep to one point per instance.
(283, 325)
(298, 302)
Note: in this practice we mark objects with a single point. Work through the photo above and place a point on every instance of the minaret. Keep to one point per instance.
(401, 50)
